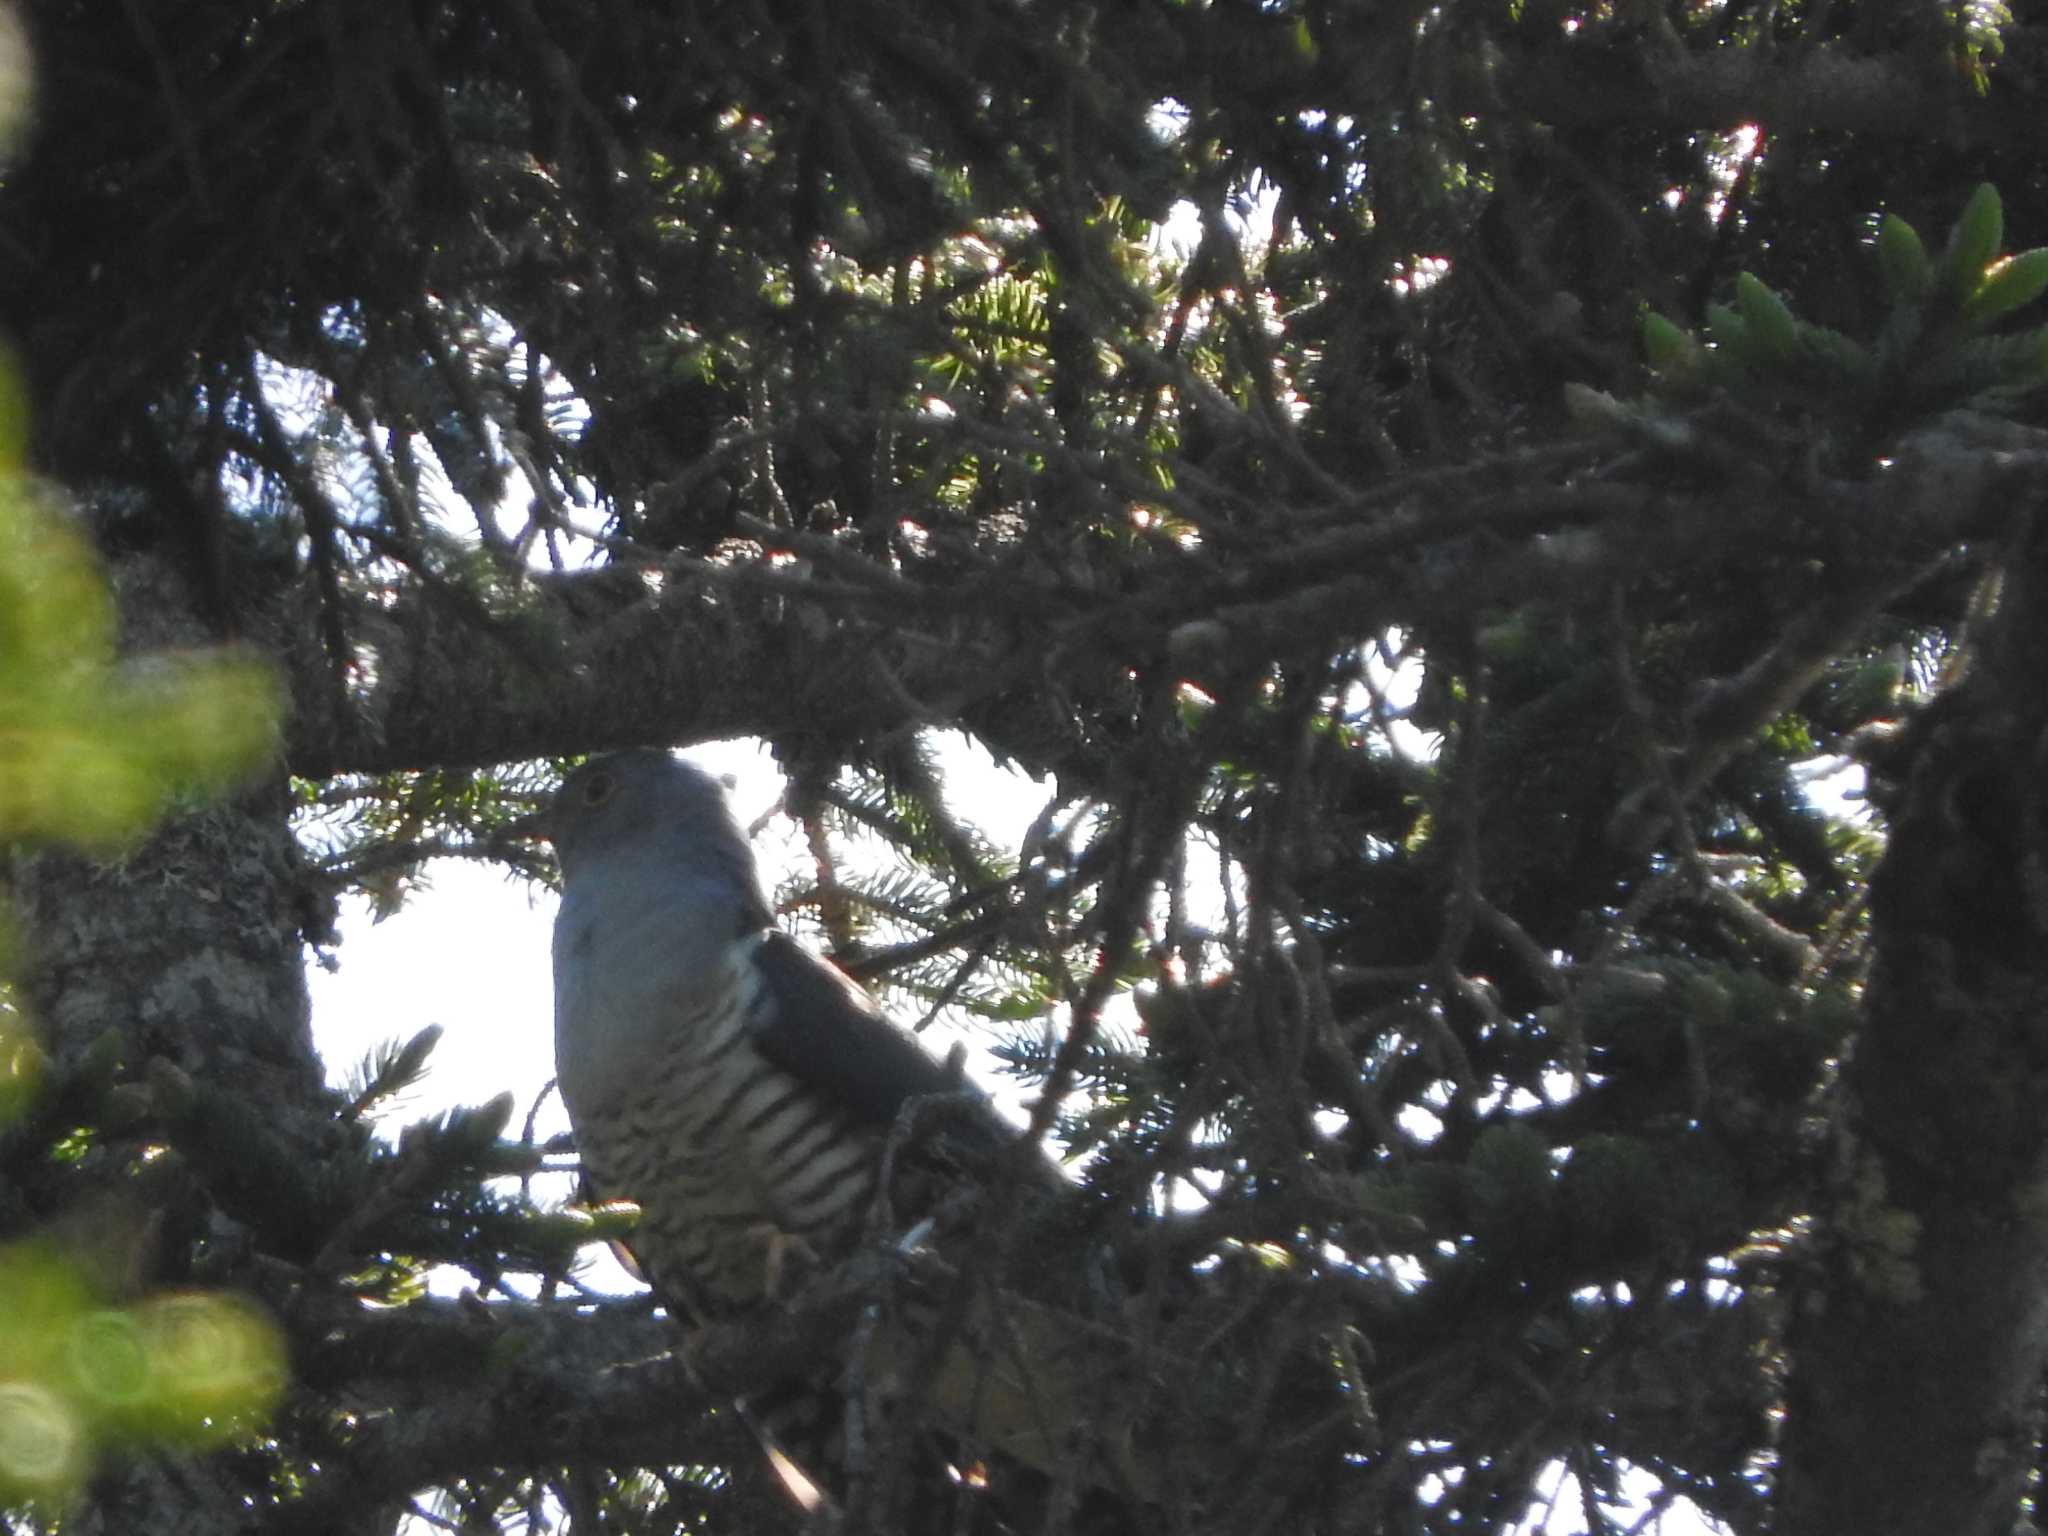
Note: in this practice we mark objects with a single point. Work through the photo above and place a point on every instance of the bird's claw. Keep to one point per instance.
(776, 1247)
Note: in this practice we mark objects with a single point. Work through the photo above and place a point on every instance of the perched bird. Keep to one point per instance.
(739, 1089)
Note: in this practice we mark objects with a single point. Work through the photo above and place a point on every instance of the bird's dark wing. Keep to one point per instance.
(824, 1031)
(1017, 1373)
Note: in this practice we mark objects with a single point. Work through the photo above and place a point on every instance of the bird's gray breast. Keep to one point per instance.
(728, 1156)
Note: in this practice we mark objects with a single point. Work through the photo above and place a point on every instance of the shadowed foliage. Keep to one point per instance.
(1446, 499)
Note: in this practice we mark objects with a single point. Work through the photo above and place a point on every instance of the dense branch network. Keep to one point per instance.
(1427, 944)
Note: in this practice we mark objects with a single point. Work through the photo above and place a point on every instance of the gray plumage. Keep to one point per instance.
(736, 1087)
(742, 1091)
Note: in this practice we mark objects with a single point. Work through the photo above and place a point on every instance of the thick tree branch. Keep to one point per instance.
(615, 657)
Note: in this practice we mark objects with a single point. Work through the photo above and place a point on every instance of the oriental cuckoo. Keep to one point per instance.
(740, 1090)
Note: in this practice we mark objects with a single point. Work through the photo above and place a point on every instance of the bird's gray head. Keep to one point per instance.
(646, 805)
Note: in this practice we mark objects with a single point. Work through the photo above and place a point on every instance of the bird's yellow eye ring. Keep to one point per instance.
(597, 789)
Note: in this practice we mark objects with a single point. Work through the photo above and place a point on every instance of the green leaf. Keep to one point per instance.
(95, 748)
(1997, 365)
(1978, 232)
(2016, 365)
(22, 1065)
(217, 1368)
(2007, 286)
(1732, 358)
(1728, 331)
(1840, 359)
(1671, 349)
(1908, 273)
(1773, 333)
(14, 411)
(474, 1130)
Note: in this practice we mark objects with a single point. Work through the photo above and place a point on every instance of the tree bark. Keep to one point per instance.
(188, 950)
(1917, 1358)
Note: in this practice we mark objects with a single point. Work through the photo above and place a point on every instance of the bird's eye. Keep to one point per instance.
(597, 789)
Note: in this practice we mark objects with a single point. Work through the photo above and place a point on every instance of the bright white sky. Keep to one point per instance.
(470, 953)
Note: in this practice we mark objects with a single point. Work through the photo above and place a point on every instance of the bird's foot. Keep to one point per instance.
(777, 1249)
(917, 1236)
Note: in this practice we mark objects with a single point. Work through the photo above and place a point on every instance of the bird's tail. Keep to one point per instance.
(981, 1422)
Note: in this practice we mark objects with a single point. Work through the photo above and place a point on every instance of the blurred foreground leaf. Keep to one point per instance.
(76, 1376)
(93, 749)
